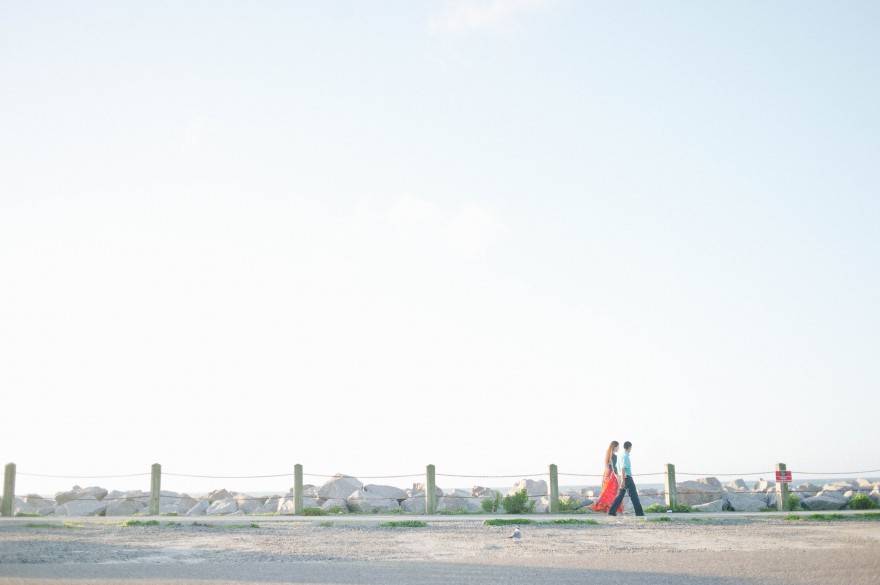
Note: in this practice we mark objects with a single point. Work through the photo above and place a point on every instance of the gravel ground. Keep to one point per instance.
(339, 550)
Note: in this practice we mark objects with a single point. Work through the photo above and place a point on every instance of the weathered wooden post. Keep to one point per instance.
(155, 488)
(297, 490)
(9, 490)
(781, 489)
(431, 491)
(671, 494)
(554, 489)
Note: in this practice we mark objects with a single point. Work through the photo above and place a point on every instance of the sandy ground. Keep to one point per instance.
(707, 550)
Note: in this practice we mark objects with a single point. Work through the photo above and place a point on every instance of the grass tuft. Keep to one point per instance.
(508, 521)
(567, 521)
(404, 524)
(833, 516)
(141, 523)
(660, 519)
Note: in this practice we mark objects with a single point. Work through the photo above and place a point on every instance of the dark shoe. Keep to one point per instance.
(612, 514)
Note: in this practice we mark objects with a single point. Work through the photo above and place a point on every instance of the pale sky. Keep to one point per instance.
(487, 235)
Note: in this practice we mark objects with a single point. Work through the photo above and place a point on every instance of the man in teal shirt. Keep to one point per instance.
(626, 484)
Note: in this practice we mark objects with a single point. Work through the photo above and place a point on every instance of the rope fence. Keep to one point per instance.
(429, 491)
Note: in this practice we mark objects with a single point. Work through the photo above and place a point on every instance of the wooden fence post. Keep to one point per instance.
(554, 489)
(155, 488)
(781, 490)
(671, 494)
(431, 491)
(9, 490)
(297, 490)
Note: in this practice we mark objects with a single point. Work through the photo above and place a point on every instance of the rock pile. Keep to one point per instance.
(343, 493)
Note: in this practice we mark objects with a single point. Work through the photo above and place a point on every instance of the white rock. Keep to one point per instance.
(21, 508)
(459, 504)
(247, 504)
(222, 507)
(483, 492)
(78, 493)
(272, 502)
(123, 507)
(340, 487)
(217, 495)
(361, 501)
(714, 506)
(694, 493)
(83, 507)
(200, 509)
(737, 484)
(385, 491)
(763, 485)
(535, 489)
(710, 481)
(414, 505)
(335, 503)
(746, 502)
(824, 501)
(542, 505)
(808, 488)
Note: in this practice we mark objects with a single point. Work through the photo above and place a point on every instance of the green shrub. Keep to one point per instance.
(404, 524)
(314, 511)
(663, 508)
(335, 510)
(569, 504)
(518, 503)
(792, 503)
(507, 521)
(862, 502)
(493, 505)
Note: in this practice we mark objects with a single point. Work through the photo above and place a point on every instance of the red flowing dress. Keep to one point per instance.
(609, 490)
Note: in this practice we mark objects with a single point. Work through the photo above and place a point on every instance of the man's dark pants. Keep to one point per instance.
(629, 486)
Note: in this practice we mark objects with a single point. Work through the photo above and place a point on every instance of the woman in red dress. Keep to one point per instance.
(609, 482)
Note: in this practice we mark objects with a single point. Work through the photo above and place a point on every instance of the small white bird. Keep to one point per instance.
(516, 534)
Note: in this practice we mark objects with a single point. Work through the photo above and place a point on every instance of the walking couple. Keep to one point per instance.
(616, 484)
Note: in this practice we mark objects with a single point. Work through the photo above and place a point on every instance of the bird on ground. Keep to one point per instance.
(517, 534)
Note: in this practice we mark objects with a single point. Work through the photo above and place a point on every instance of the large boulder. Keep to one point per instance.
(218, 495)
(21, 508)
(824, 501)
(459, 504)
(339, 487)
(710, 481)
(694, 493)
(714, 506)
(335, 503)
(763, 485)
(200, 509)
(808, 488)
(82, 507)
(361, 501)
(535, 489)
(248, 504)
(124, 506)
(746, 502)
(385, 491)
(483, 492)
(222, 507)
(78, 493)
(415, 505)
(737, 485)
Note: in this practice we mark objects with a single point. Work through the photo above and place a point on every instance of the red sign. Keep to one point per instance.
(783, 476)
